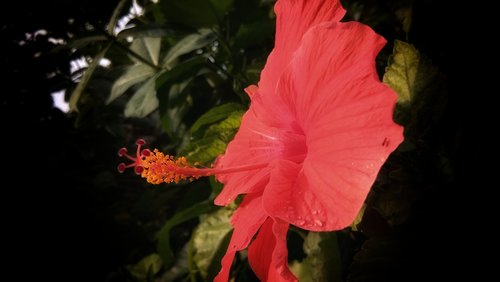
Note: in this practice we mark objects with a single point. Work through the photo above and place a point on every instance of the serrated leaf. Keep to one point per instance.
(188, 44)
(144, 100)
(407, 73)
(146, 268)
(163, 235)
(134, 74)
(401, 73)
(215, 114)
(209, 241)
(75, 96)
(323, 259)
(214, 140)
(421, 89)
(148, 48)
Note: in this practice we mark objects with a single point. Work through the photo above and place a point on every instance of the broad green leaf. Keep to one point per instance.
(75, 96)
(144, 100)
(133, 75)
(323, 259)
(148, 48)
(214, 141)
(188, 44)
(209, 241)
(172, 114)
(147, 268)
(215, 114)
(115, 16)
(195, 13)
(163, 235)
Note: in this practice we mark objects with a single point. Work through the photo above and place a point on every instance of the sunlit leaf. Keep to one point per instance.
(214, 140)
(323, 259)
(209, 241)
(163, 235)
(215, 114)
(187, 44)
(419, 85)
(75, 96)
(148, 48)
(132, 75)
(144, 100)
(358, 218)
(147, 268)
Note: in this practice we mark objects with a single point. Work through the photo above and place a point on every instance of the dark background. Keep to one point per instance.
(60, 223)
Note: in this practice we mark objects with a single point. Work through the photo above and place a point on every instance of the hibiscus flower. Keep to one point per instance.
(310, 146)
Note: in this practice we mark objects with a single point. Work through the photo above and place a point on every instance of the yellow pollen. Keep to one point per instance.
(159, 168)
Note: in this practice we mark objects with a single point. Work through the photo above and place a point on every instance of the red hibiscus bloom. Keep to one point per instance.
(322, 121)
(309, 148)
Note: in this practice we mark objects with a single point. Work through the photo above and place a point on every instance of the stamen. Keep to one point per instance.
(159, 168)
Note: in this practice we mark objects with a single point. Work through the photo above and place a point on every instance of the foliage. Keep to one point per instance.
(176, 78)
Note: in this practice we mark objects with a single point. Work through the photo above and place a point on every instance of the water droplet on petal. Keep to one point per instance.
(300, 222)
(318, 222)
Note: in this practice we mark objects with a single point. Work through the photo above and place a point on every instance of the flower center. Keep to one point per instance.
(158, 168)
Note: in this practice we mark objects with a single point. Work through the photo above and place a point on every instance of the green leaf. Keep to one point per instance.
(214, 115)
(148, 48)
(163, 235)
(147, 30)
(195, 13)
(80, 43)
(147, 268)
(420, 88)
(209, 241)
(132, 75)
(402, 73)
(115, 16)
(182, 71)
(214, 141)
(75, 96)
(323, 259)
(188, 44)
(144, 100)
(358, 218)
(173, 113)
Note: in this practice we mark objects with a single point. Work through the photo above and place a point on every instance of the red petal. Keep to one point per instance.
(293, 19)
(268, 254)
(268, 131)
(246, 220)
(332, 88)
